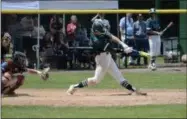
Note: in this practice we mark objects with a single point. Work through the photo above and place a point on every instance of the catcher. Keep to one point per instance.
(12, 73)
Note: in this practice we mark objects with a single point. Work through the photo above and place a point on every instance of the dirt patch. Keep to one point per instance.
(93, 97)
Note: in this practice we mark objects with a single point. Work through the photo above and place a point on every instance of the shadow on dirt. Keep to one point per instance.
(122, 94)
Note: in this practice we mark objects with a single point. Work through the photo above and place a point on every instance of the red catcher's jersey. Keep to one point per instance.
(13, 68)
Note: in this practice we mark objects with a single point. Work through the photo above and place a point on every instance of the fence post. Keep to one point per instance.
(38, 44)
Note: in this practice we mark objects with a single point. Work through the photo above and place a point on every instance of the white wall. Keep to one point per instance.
(59, 4)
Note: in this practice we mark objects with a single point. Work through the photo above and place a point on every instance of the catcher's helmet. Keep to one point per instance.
(98, 26)
(152, 11)
(19, 59)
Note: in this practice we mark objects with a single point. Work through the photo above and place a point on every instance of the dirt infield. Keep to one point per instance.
(93, 97)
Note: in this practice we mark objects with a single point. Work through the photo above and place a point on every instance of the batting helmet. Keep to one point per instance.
(98, 26)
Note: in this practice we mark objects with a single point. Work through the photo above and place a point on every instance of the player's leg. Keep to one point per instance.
(6, 77)
(158, 46)
(13, 84)
(157, 43)
(116, 74)
(19, 82)
(102, 63)
(152, 46)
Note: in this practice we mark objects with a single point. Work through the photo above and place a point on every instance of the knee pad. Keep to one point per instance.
(6, 78)
(13, 84)
(20, 79)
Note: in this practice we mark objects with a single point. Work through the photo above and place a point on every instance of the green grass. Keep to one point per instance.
(148, 111)
(143, 80)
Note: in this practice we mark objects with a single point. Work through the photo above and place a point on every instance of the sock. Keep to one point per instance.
(153, 59)
(82, 84)
(128, 86)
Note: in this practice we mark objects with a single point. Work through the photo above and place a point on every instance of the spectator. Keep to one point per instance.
(35, 38)
(27, 26)
(36, 28)
(6, 45)
(56, 28)
(71, 30)
(41, 34)
(81, 36)
(55, 45)
(14, 28)
(127, 36)
(140, 35)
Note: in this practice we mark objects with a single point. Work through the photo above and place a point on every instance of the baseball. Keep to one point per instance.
(184, 58)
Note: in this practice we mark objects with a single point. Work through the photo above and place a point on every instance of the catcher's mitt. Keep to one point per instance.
(45, 74)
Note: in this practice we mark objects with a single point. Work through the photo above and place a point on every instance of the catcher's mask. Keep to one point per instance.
(20, 59)
(98, 27)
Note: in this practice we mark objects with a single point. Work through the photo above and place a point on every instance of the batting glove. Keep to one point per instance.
(128, 50)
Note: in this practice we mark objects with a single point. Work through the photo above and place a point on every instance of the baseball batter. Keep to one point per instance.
(101, 39)
(153, 28)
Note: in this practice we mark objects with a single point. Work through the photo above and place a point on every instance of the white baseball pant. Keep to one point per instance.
(104, 64)
(154, 45)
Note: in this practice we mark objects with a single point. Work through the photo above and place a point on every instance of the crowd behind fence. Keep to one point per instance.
(62, 46)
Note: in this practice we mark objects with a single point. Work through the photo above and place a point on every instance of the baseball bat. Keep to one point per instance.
(167, 27)
(134, 52)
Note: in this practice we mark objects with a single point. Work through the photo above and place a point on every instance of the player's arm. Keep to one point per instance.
(151, 32)
(95, 17)
(43, 74)
(115, 39)
(126, 48)
(33, 71)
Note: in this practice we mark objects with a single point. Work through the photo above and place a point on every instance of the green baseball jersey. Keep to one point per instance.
(100, 42)
(100, 36)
